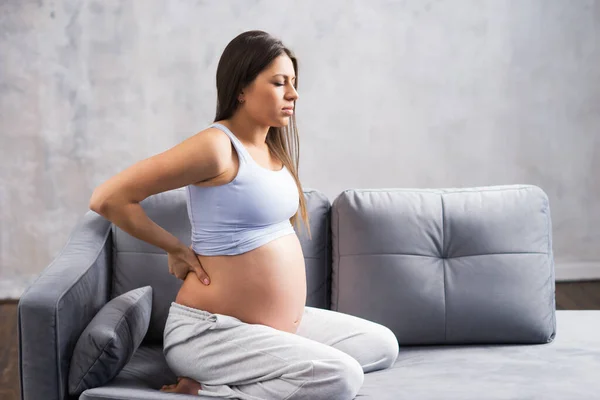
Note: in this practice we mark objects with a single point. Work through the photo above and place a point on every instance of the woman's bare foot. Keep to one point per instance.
(183, 385)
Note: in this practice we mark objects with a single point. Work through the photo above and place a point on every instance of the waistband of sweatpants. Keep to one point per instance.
(180, 309)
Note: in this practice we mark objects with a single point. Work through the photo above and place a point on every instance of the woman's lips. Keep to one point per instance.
(288, 111)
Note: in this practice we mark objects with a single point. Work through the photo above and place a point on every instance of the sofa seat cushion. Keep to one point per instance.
(565, 369)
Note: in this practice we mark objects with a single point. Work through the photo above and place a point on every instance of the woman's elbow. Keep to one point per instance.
(96, 206)
(98, 202)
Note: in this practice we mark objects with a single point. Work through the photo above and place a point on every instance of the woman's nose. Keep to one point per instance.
(294, 95)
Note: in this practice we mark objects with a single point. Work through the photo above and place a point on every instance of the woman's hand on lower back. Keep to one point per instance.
(185, 260)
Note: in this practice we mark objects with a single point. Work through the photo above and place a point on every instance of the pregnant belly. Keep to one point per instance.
(266, 285)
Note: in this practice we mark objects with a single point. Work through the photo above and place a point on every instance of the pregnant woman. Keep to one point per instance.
(239, 327)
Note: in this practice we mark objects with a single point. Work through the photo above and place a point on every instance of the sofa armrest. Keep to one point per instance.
(57, 307)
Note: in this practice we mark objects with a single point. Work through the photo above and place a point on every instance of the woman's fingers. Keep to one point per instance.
(200, 272)
(202, 275)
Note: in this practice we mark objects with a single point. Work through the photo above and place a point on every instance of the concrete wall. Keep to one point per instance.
(393, 94)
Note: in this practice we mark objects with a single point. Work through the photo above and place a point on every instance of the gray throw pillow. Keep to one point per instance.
(110, 339)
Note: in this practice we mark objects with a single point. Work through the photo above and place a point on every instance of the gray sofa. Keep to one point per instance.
(463, 277)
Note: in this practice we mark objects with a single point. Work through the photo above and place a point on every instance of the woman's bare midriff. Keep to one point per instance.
(265, 286)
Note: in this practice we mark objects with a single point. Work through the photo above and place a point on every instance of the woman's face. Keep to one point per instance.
(267, 97)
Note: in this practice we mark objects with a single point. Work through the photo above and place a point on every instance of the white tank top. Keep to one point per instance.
(248, 212)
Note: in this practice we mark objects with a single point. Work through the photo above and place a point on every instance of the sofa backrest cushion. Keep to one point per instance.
(448, 266)
(137, 263)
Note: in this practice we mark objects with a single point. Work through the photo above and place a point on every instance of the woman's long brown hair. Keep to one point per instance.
(243, 59)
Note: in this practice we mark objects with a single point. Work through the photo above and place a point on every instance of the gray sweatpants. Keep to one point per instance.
(325, 359)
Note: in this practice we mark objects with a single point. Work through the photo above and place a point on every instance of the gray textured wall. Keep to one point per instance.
(393, 94)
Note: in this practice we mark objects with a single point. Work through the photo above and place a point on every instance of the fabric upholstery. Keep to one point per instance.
(447, 266)
(57, 307)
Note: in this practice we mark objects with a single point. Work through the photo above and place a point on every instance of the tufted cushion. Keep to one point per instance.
(137, 263)
(448, 266)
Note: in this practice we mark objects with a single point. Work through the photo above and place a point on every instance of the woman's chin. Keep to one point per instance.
(283, 122)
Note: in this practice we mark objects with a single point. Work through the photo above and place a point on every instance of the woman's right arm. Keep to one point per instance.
(200, 157)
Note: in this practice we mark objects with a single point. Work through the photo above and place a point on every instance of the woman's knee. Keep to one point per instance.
(388, 347)
(380, 351)
(347, 379)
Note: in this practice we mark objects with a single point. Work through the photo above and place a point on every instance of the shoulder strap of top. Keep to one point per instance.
(236, 142)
